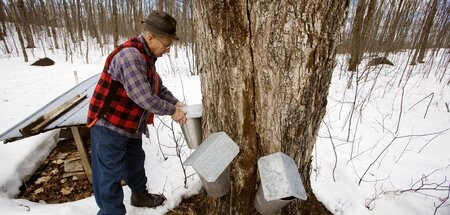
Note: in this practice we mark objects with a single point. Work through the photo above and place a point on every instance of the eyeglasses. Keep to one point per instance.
(165, 45)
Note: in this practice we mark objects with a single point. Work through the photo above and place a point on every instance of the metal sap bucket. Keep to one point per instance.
(192, 129)
(269, 207)
(280, 183)
(211, 160)
(220, 186)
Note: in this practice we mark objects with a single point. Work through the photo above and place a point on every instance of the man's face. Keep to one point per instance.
(159, 45)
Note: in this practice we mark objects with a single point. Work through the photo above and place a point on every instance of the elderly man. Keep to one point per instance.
(125, 99)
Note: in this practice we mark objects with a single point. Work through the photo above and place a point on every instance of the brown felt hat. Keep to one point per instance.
(161, 24)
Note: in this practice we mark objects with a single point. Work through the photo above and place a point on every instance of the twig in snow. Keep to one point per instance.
(370, 202)
(164, 187)
(401, 109)
(159, 141)
(431, 94)
(178, 151)
(353, 107)
(442, 201)
(334, 150)
(392, 141)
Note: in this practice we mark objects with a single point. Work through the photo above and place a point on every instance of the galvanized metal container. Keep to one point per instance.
(220, 186)
(280, 183)
(211, 161)
(192, 129)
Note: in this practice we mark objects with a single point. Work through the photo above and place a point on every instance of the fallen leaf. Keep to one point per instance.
(54, 172)
(66, 190)
(39, 190)
(42, 180)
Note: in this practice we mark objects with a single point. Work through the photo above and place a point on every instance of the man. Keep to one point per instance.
(127, 95)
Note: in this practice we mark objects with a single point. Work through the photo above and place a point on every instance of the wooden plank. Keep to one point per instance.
(67, 132)
(84, 158)
(40, 123)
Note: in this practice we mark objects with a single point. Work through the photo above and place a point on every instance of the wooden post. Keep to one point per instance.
(75, 74)
(80, 146)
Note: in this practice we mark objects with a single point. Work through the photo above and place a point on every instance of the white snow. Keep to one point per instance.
(405, 161)
(26, 88)
(396, 165)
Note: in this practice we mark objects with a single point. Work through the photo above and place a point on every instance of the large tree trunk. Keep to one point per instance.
(14, 17)
(45, 17)
(357, 31)
(265, 69)
(426, 31)
(68, 19)
(53, 24)
(3, 27)
(25, 23)
(389, 42)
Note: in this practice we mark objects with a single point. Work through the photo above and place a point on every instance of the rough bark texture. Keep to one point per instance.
(356, 51)
(68, 20)
(18, 30)
(265, 69)
(22, 12)
(115, 23)
(426, 32)
(53, 25)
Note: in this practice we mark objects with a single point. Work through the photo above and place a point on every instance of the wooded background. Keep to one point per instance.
(254, 49)
(381, 26)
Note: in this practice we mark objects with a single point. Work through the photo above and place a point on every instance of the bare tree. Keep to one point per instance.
(43, 11)
(67, 19)
(115, 23)
(53, 23)
(79, 22)
(18, 29)
(273, 60)
(3, 27)
(425, 33)
(356, 50)
(25, 23)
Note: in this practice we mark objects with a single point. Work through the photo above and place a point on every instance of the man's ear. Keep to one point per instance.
(150, 36)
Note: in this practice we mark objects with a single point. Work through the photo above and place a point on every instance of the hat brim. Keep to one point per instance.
(158, 32)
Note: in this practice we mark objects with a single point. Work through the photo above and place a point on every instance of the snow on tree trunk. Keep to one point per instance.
(265, 69)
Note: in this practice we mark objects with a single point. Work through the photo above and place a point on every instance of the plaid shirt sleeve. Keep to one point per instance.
(129, 68)
(165, 94)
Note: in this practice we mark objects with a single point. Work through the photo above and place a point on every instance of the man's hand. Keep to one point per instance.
(179, 116)
(180, 104)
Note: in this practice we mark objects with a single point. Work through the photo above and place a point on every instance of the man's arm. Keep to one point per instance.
(129, 68)
(165, 94)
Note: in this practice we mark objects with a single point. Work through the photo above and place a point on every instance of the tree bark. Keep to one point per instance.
(3, 28)
(426, 31)
(265, 69)
(53, 24)
(25, 23)
(357, 31)
(3, 17)
(68, 19)
(115, 23)
(389, 43)
(79, 23)
(45, 17)
(19, 31)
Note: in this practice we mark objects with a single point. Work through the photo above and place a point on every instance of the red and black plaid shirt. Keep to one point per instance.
(110, 100)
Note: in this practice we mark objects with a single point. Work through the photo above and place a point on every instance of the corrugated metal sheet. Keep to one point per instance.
(76, 115)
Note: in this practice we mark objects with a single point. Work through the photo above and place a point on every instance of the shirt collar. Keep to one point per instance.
(146, 48)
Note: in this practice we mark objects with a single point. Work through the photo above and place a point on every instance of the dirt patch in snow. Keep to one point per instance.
(48, 184)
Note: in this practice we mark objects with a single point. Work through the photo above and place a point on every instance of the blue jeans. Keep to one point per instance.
(115, 157)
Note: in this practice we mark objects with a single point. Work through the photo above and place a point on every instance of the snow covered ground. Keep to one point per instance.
(26, 88)
(398, 161)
